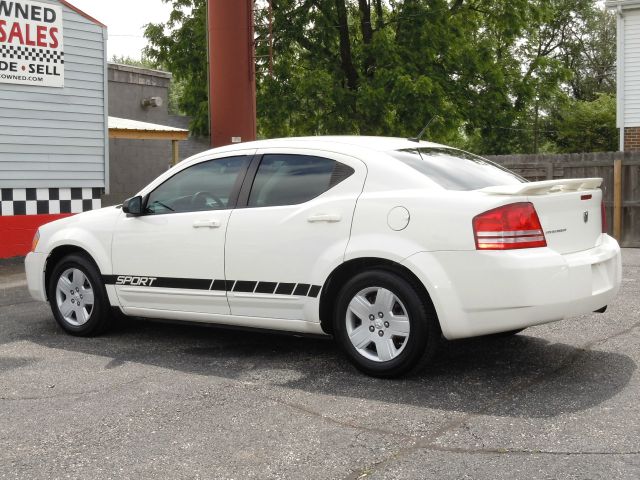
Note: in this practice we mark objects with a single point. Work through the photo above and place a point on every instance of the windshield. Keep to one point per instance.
(456, 170)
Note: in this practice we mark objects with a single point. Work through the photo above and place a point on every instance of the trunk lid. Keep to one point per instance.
(569, 210)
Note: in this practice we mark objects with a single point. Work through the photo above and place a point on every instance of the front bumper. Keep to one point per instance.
(479, 293)
(34, 265)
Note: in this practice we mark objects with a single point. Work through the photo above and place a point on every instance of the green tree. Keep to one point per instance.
(180, 46)
(143, 62)
(584, 126)
(591, 55)
(584, 50)
(492, 71)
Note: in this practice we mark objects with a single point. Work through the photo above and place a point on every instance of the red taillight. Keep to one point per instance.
(509, 227)
(604, 217)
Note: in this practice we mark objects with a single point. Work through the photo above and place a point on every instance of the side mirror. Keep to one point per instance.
(133, 206)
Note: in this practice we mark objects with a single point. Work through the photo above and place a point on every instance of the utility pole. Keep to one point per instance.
(232, 86)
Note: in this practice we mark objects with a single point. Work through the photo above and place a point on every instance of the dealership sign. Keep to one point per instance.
(31, 47)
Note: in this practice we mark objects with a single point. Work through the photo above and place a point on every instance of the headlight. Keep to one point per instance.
(36, 239)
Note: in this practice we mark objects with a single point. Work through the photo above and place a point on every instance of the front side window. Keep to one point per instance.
(294, 179)
(456, 170)
(204, 186)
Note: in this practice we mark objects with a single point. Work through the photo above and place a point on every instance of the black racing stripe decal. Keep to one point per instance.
(222, 285)
(314, 291)
(285, 288)
(266, 287)
(158, 282)
(186, 283)
(240, 286)
(244, 286)
(302, 289)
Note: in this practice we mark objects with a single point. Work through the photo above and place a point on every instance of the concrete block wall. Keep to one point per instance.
(192, 146)
(134, 163)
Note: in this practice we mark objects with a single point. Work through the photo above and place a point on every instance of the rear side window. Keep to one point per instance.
(294, 179)
(456, 170)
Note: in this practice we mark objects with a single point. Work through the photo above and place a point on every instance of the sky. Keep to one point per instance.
(126, 20)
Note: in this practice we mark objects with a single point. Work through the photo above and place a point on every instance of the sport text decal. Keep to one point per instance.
(31, 48)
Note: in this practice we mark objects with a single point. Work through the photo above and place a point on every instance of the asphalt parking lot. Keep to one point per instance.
(154, 400)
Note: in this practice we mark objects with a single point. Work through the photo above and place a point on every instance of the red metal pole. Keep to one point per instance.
(232, 87)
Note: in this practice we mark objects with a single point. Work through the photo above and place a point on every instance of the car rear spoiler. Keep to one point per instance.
(544, 187)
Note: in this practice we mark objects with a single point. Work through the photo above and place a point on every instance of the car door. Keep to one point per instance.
(290, 229)
(171, 258)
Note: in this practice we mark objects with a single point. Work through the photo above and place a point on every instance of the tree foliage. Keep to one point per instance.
(180, 46)
(492, 72)
(142, 62)
(591, 56)
(587, 126)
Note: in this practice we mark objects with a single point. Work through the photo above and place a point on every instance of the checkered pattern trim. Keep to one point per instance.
(33, 54)
(48, 201)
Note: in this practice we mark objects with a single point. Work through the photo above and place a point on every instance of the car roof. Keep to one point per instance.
(337, 143)
(359, 147)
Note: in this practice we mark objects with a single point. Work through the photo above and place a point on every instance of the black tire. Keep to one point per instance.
(100, 313)
(424, 335)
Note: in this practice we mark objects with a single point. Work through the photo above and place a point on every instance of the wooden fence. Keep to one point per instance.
(621, 186)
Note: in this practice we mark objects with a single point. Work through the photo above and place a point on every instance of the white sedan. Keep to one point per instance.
(387, 244)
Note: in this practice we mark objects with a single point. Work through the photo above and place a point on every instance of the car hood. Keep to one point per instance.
(102, 219)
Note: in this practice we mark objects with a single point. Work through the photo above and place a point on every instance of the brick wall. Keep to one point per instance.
(632, 139)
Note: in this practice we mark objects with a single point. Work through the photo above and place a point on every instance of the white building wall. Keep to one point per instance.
(57, 137)
(631, 76)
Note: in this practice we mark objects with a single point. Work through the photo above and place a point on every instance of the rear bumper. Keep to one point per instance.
(479, 293)
(34, 265)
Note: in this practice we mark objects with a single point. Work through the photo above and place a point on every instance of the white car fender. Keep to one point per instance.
(90, 231)
(95, 241)
(86, 240)
(426, 267)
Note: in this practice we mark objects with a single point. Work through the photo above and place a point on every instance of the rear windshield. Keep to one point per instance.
(456, 170)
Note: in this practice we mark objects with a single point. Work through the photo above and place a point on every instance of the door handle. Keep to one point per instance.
(325, 217)
(206, 224)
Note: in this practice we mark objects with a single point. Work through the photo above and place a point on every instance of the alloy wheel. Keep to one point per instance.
(377, 324)
(74, 297)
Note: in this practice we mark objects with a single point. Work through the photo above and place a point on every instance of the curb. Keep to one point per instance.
(11, 262)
